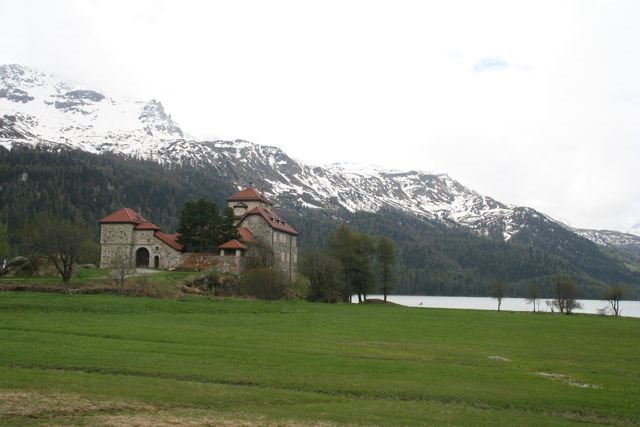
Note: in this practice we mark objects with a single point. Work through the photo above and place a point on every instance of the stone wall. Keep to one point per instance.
(284, 245)
(213, 262)
(120, 242)
(115, 241)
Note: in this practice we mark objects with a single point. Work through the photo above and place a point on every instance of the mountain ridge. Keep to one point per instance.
(41, 111)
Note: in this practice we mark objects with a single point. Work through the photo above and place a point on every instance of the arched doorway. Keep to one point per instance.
(156, 262)
(142, 258)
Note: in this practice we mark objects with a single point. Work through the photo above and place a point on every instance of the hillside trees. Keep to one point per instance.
(84, 187)
(62, 242)
(433, 258)
(4, 242)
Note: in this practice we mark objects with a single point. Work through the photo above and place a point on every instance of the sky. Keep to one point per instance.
(534, 103)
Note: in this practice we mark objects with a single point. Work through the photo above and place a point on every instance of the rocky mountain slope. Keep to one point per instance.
(40, 110)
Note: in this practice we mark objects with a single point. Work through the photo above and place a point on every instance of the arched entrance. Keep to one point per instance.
(156, 262)
(142, 258)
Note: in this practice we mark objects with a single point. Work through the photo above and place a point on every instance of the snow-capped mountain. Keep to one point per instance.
(36, 106)
(628, 242)
(40, 110)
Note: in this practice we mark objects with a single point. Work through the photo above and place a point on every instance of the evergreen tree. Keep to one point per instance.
(199, 226)
(354, 251)
(4, 242)
(228, 228)
(386, 260)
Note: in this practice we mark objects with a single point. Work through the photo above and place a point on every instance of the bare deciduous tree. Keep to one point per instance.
(566, 294)
(60, 241)
(533, 295)
(613, 295)
(121, 270)
(498, 290)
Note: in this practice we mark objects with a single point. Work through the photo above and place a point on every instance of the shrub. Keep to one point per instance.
(299, 288)
(264, 283)
(214, 283)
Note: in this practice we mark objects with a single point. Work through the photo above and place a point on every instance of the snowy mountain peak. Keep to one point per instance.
(158, 122)
(33, 104)
(37, 109)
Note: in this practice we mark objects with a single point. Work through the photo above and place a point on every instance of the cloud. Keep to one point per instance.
(490, 64)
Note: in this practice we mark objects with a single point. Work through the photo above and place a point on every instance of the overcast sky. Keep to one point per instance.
(533, 103)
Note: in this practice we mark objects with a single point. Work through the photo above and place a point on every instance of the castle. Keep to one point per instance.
(126, 238)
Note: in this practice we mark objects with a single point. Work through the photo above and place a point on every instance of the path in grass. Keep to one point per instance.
(200, 360)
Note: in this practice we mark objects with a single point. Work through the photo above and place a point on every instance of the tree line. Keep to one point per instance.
(352, 262)
(433, 258)
(565, 298)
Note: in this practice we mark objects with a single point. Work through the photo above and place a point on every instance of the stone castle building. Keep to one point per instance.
(128, 238)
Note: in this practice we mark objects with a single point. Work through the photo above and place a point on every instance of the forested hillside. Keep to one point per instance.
(85, 187)
(435, 257)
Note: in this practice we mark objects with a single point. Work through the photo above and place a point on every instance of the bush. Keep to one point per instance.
(299, 288)
(264, 283)
(214, 283)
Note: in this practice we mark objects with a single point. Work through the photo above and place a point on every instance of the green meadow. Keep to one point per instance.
(112, 360)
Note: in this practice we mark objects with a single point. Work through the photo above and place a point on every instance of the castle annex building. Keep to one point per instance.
(128, 238)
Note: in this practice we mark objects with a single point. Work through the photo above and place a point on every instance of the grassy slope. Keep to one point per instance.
(108, 359)
(158, 283)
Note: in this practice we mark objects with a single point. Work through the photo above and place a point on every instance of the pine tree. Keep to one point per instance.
(386, 259)
(228, 228)
(4, 242)
(199, 225)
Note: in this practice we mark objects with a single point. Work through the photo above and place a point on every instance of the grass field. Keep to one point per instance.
(109, 360)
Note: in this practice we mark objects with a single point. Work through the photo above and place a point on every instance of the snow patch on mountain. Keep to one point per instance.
(35, 104)
(41, 110)
(609, 238)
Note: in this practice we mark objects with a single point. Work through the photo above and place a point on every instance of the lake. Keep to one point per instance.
(627, 308)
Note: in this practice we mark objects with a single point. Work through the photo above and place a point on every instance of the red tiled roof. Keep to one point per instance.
(232, 244)
(272, 219)
(146, 226)
(169, 239)
(249, 195)
(129, 216)
(124, 215)
(246, 234)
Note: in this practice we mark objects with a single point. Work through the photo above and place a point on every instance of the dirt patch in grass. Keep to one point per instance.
(19, 407)
(40, 405)
(191, 418)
